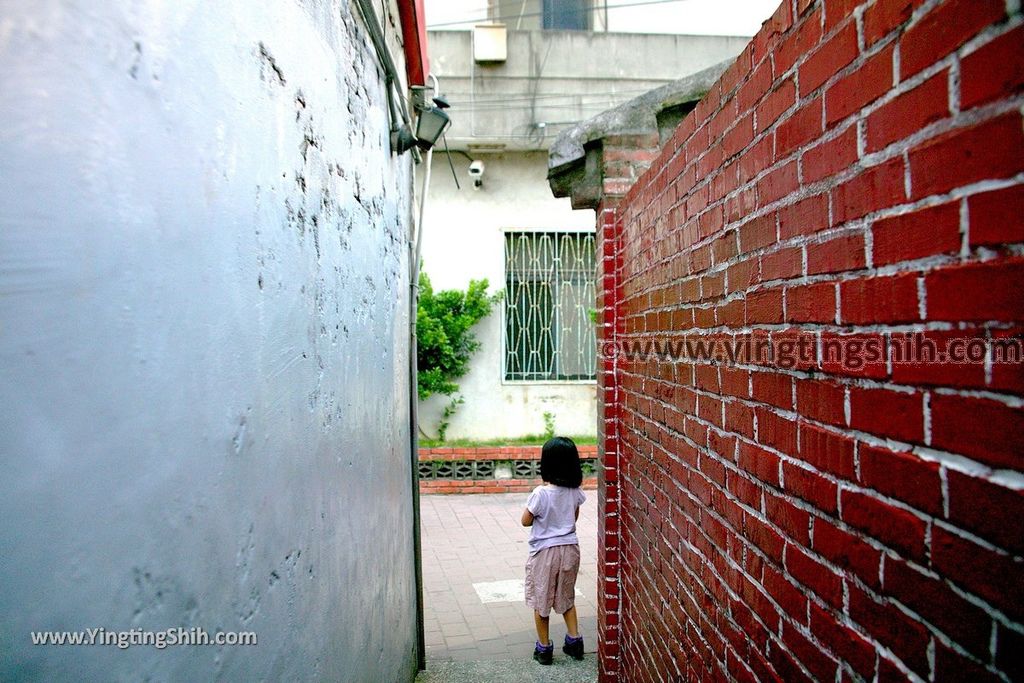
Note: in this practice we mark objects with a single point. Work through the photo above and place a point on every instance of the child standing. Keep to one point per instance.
(551, 512)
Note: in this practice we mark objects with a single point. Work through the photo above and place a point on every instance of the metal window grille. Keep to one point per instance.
(549, 292)
(573, 15)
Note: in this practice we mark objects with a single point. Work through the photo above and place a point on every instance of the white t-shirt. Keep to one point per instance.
(554, 516)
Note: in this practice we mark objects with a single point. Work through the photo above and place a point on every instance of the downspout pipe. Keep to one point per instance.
(411, 14)
(390, 71)
(416, 249)
(414, 398)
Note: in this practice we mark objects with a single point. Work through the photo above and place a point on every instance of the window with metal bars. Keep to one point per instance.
(572, 15)
(549, 292)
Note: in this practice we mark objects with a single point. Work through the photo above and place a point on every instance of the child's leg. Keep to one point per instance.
(537, 588)
(542, 623)
(566, 591)
(571, 625)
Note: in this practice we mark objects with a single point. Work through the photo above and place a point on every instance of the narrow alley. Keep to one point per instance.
(477, 626)
(301, 300)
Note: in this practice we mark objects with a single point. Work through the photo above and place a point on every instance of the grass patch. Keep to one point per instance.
(530, 440)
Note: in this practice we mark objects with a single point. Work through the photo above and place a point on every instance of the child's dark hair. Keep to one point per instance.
(560, 463)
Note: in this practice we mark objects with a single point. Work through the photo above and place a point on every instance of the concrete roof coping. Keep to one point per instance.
(567, 155)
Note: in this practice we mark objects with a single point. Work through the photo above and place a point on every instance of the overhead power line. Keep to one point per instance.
(462, 99)
(537, 14)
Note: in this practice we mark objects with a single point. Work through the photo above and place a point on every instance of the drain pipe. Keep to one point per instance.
(414, 446)
(414, 441)
(415, 250)
(415, 245)
(392, 82)
(401, 112)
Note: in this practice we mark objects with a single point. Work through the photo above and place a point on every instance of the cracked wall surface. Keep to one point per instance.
(204, 341)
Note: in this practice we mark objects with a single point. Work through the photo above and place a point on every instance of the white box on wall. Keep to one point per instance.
(490, 43)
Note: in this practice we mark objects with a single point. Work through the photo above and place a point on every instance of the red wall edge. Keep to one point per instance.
(414, 40)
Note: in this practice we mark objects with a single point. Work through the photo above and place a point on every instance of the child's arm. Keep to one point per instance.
(527, 519)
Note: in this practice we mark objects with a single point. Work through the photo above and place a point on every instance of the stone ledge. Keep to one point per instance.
(465, 486)
(479, 454)
(493, 453)
(577, 164)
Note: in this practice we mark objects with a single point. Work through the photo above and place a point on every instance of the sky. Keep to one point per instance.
(706, 17)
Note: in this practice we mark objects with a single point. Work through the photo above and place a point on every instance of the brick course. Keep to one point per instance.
(858, 176)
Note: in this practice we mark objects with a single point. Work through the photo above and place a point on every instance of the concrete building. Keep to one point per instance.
(691, 17)
(512, 91)
(204, 350)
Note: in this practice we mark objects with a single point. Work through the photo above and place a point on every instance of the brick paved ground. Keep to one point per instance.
(477, 539)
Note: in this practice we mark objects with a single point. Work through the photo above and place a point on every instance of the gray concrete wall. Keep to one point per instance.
(553, 79)
(695, 17)
(203, 342)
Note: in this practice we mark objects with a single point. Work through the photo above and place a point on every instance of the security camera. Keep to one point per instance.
(476, 172)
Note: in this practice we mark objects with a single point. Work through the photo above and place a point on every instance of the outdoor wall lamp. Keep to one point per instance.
(431, 123)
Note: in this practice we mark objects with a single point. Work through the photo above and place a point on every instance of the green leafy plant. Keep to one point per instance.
(446, 417)
(549, 425)
(445, 340)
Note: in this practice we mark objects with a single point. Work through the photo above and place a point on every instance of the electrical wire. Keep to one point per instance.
(538, 14)
(450, 164)
(606, 104)
(588, 93)
(376, 32)
(581, 78)
(463, 153)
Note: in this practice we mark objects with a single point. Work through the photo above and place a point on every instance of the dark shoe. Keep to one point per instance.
(573, 647)
(544, 655)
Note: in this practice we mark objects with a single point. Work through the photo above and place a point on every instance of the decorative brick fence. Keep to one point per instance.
(498, 469)
(855, 176)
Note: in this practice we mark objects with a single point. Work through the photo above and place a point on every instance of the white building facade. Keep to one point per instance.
(512, 91)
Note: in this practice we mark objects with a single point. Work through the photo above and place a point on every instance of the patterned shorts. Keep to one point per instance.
(551, 579)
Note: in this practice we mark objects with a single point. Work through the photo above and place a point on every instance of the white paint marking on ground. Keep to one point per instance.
(509, 590)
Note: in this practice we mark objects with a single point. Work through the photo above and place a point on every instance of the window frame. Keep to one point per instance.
(504, 310)
(548, 14)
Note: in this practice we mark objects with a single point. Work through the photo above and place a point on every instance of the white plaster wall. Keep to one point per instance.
(203, 342)
(464, 240)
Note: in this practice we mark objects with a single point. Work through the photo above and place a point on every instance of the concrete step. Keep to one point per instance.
(520, 670)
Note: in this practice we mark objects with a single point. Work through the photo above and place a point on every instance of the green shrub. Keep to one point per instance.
(549, 425)
(445, 341)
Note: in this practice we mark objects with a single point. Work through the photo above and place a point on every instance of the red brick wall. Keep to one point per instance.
(857, 174)
(608, 542)
(623, 156)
